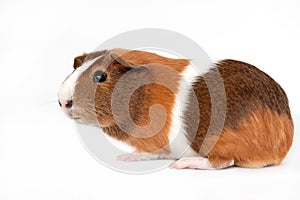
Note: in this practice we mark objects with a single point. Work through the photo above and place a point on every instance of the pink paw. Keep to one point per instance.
(196, 163)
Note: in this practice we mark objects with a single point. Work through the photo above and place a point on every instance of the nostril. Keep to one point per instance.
(59, 103)
(69, 104)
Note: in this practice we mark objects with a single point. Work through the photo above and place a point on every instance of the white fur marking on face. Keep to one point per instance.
(178, 142)
(67, 88)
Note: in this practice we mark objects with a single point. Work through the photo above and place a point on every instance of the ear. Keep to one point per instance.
(134, 71)
(120, 60)
(116, 55)
(138, 74)
(79, 60)
(141, 69)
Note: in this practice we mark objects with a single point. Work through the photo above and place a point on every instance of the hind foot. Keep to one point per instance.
(199, 163)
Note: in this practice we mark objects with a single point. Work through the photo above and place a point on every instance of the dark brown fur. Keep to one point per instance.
(258, 127)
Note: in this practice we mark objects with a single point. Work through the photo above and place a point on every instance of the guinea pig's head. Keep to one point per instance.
(86, 94)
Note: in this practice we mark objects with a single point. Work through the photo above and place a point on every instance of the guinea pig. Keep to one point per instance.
(229, 114)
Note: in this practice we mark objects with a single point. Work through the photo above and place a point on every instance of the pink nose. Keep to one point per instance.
(66, 104)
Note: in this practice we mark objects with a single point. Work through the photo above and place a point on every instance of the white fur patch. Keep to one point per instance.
(178, 142)
(66, 91)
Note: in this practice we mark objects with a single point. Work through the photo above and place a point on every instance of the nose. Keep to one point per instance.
(66, 104)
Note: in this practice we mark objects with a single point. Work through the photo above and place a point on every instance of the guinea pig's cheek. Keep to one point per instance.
(75, 112)
(83, 110)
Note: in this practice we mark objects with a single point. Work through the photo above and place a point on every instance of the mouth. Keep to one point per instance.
(74, 114)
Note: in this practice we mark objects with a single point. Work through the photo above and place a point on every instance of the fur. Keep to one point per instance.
(258, 128)
(147, 102)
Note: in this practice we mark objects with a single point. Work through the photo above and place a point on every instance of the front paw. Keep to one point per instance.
(130, 157)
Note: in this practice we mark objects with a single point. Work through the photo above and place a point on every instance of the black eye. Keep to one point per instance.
(99, 76)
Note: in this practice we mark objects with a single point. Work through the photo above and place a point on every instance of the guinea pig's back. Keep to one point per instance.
(249, 89)
(258, 128)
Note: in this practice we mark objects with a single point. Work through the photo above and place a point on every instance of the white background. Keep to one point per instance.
(41, 156)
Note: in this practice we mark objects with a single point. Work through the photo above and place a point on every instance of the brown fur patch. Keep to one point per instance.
(161, 92)
(262, 139)
(143, 57)
(159, 95)
(163, 75)
(258, 127)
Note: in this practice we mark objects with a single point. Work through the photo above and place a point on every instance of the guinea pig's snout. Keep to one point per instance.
(65, 104)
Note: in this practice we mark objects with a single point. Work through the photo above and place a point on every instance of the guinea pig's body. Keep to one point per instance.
(230, 113)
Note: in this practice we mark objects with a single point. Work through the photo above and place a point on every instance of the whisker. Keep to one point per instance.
(48, 102)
